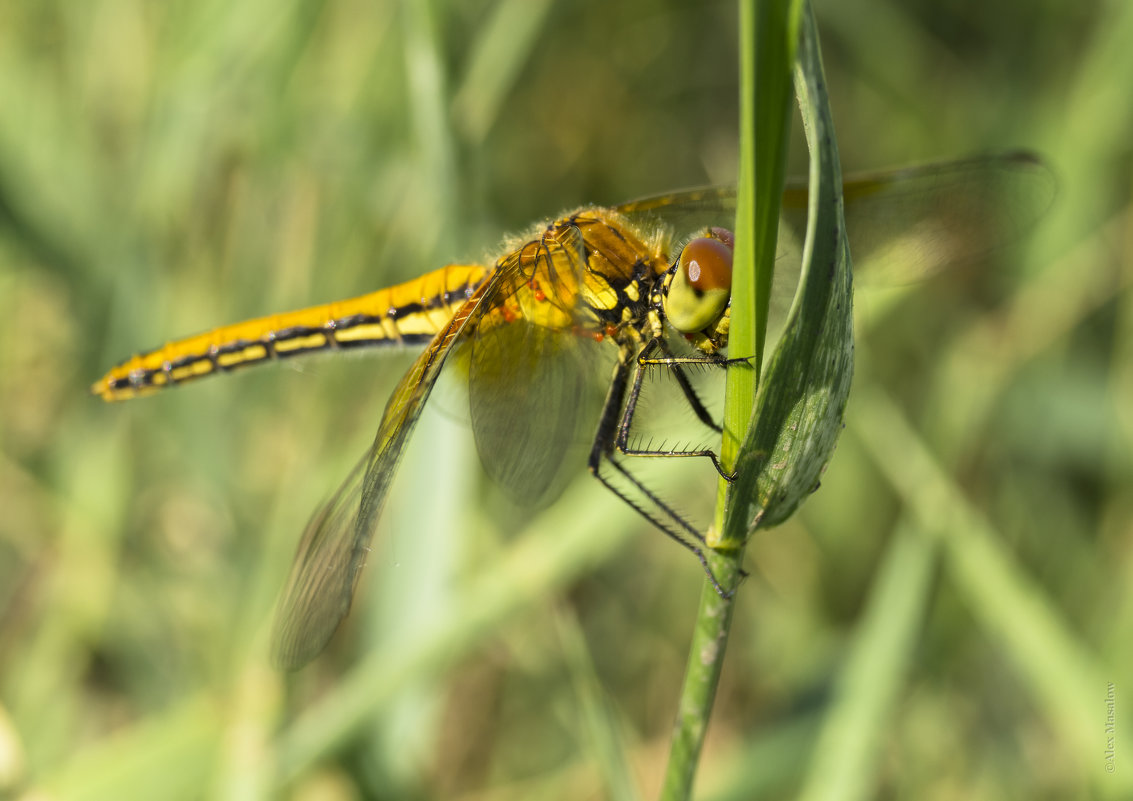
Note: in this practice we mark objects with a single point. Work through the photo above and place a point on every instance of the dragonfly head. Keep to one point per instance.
(699, 289)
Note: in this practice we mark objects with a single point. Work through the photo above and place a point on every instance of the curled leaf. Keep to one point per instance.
(799, 406)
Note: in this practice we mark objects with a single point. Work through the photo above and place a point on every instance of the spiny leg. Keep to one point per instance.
(643, 359)
(676, 527)
(675, 364)
(667, 529)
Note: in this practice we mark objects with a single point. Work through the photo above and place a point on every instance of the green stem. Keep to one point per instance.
(702, 675)
(767, 51)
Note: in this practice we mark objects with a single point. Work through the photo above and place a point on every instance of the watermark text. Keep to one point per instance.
(1110, 728)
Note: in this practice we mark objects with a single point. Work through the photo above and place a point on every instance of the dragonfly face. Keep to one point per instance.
(696, 297)
(597, 278)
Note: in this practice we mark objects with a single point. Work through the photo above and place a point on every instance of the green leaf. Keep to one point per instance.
(799, 406)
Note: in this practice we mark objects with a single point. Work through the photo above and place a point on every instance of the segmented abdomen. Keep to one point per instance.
(408, 313)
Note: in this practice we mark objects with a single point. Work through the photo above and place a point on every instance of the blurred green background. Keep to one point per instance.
(945, 619)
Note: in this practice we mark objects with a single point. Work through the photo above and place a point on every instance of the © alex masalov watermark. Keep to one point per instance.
(1110, 728)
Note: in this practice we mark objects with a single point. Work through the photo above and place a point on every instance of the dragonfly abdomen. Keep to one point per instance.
(406, 314)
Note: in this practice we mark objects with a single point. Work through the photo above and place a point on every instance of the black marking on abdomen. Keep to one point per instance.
(409, 309)
(404, 339)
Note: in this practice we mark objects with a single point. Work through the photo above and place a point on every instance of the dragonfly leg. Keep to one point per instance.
(668, 530)
(693, 399)
(672, 524)
(675, 365)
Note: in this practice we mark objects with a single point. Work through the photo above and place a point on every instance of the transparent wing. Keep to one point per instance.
(333, 548)
(908, 224)
(687, 211)
(904, 224)
(530, 380)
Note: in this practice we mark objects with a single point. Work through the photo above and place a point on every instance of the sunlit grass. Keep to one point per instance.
(167, 169)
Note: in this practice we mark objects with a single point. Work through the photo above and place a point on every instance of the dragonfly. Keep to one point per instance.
(646, 283)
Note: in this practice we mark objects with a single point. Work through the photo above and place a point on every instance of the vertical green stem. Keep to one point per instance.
(706, 657)
(768, 32)
(767, 35)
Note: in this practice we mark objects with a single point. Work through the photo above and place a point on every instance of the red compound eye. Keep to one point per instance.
(707, 263)
(701, 287)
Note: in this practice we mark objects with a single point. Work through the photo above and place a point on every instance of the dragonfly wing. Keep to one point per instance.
(903, 225)
(906, 225)
(529, 378)
(333, 548)
(321, 584)
(685, 213)
(528, 389)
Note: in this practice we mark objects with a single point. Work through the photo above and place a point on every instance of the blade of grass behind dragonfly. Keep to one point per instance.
(500, 51)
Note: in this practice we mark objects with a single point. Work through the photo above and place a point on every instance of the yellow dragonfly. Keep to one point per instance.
(648, 283)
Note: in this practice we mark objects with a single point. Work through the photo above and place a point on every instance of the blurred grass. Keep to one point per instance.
(166, 168)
